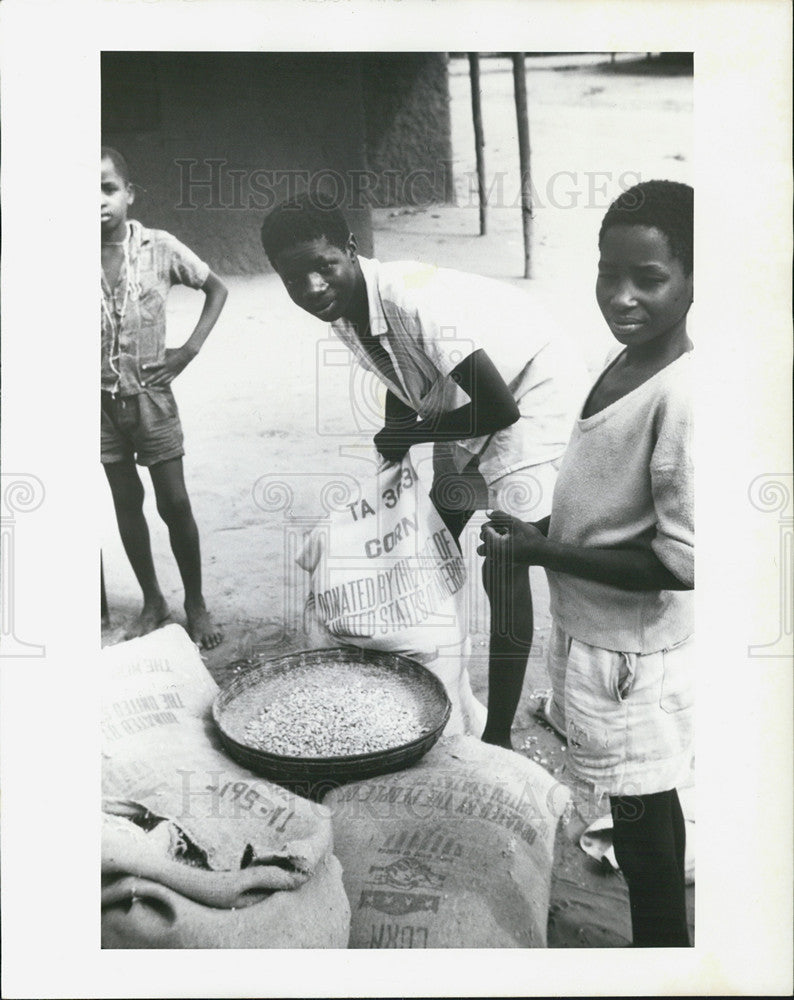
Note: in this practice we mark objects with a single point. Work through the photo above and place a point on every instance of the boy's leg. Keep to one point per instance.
(455, 496)
(174, 507)
(510, 598)
(647, 848)
(526, 494)
(127, 491)
(679, 832)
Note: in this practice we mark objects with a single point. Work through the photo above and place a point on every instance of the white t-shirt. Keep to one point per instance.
(430, 318)
(627, 479)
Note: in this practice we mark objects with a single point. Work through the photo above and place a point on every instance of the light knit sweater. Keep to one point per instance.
(627, 479)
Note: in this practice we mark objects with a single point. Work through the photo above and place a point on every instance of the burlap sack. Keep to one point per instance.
(145, 913)
(455, 852)
(191, 840)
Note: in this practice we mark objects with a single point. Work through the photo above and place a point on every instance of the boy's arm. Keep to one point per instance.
(215, 293)
(178, 358)
(669, 562)
(398, 413)
(400, 419)
(492, 407)
(543, 525)
(507, 538)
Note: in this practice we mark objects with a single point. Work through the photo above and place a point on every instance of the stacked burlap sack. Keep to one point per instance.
(454, 852)
(198, 852)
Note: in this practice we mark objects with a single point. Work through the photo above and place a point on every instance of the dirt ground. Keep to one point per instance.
(271, 415)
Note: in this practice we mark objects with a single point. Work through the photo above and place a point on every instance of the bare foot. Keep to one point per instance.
(542, 711)
(155, 613)
(200, 626)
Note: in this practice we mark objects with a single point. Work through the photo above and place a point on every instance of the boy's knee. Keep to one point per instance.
(128, 498)
(174, 509)
(508, 582)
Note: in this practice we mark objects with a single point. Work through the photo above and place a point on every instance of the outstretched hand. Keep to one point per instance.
(507, 538)
(163, 373)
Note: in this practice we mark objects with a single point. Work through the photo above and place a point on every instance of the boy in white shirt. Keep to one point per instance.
(470, 364)
(619, 554)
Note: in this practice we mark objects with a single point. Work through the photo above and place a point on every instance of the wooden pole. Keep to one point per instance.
(520, 87)
(479, 137)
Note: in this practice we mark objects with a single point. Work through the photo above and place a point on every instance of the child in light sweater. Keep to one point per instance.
(618, 549)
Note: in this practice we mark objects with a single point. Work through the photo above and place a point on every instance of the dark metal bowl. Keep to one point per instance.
(237, 703)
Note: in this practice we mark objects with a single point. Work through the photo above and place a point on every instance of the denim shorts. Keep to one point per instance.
(628, 717)
(144, 428)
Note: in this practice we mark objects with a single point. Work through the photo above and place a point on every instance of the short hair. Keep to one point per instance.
(665, 205)
(118, 161)
(306, 217)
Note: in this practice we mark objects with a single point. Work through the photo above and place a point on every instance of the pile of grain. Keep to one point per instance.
(343, 713)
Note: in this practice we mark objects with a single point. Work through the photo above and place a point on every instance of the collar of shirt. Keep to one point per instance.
(137, 237)
(121, 302)
(378, 326)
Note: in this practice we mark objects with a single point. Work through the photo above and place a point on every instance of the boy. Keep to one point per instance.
(470, 365)
(140, 422)
(619, 554)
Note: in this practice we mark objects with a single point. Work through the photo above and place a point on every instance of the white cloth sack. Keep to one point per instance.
(386, 574)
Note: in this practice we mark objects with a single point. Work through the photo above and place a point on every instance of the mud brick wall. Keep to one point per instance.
(215, 139)
(409, 146)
